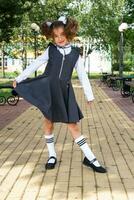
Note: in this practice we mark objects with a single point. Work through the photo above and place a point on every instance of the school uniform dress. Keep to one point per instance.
(52, 92)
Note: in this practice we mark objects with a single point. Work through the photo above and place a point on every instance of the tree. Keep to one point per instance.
(101, 22)
(11, 13)
(49, 10)
(129, 33)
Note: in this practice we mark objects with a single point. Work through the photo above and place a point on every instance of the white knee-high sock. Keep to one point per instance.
(81, 141)
(50, 145)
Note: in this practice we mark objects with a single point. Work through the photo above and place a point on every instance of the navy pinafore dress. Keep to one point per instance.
(52, 92)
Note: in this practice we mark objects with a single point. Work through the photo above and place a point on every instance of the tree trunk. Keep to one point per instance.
(3, 61)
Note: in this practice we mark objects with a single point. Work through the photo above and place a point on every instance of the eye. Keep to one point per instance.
(55, 35)
(63, 34)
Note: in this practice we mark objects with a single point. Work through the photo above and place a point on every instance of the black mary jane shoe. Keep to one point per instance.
(51, 165)
(89, 163)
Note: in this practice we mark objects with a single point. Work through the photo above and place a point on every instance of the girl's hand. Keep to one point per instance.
(89, 103)
(14, 83)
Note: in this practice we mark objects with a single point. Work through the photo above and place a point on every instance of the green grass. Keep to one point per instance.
(90, 76)
(5, 91)
(11, 75)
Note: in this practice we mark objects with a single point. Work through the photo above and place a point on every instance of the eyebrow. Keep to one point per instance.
(63, 33)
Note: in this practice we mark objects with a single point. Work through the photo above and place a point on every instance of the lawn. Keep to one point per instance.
(11, 75)
(5, 91)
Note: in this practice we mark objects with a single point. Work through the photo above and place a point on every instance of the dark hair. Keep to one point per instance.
(70, 28)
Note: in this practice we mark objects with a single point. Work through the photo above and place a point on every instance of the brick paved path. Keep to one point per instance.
(9, 113)
(124, 104)
(23, 153)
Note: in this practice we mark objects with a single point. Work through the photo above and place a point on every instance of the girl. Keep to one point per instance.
(52, 92)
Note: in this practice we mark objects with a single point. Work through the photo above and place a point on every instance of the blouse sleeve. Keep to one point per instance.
(83, 77)
(33, 66)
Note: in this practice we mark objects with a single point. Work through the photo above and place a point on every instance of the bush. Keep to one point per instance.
(115, 67)
(127, 66)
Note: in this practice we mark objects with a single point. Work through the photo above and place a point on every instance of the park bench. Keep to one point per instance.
(126, 89)
(122, 83)
(114, 82)
(11, 99)
(109, 81)
(105, 77)
(131, 85)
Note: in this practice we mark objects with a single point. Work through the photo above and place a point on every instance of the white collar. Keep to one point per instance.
(65, 46)
(64, 49)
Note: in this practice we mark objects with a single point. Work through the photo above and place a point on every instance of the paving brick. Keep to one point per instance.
(109, 132)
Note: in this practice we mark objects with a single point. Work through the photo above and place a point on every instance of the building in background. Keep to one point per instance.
(95, 62)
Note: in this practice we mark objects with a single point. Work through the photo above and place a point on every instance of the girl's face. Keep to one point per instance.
(59, 36)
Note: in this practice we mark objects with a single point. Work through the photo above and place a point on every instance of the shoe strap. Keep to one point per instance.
(92, 161)
(51, 158)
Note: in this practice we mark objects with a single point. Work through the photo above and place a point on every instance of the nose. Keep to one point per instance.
(60, 38)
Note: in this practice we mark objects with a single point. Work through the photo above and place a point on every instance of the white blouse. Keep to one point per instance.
(42, 59)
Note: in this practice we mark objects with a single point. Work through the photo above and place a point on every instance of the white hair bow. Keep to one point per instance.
(61, 18)
(48, 23)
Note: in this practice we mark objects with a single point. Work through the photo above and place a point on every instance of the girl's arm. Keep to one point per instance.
(83, 77)
(33, 66)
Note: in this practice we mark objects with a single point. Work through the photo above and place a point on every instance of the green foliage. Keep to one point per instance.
(127, 66)
(11, 15)
(50, 10)
(129, 18)
(101, 23)
(98, 19)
